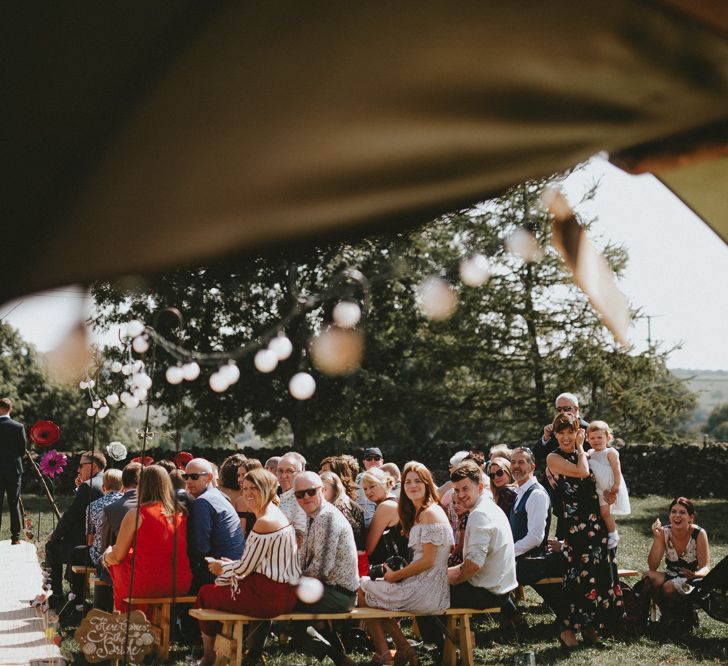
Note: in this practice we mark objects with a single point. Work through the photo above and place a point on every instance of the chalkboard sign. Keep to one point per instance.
(102, 636)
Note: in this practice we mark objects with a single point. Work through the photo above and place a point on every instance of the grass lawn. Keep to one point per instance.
(708, 644)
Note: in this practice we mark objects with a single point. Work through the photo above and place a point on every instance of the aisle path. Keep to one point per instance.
(22, 632)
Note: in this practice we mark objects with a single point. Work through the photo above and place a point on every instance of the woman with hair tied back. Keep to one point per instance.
(262, 582)
(591, 586)
(335, 493)
(421, 586)
(159, 560)
(384, 536)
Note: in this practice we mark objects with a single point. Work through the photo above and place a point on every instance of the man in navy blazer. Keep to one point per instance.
(12, 450)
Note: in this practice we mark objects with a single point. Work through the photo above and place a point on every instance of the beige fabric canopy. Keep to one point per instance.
(148, 135)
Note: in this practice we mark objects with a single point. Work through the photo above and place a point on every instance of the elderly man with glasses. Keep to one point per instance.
(213, 527)
(328, 554)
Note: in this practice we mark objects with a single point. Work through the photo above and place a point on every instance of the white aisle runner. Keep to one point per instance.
(22, 631)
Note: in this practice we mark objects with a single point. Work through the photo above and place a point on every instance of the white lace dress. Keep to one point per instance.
(427, 592)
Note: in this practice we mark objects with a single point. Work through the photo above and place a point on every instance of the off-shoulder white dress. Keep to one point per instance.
(427, 592)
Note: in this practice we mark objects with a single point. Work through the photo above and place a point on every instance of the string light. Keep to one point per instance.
(436, 299)
(302, 386)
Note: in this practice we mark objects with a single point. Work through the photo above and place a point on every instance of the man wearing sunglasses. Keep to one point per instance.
(565, 402)
(213, 526)
(372, 458)
(328, 554)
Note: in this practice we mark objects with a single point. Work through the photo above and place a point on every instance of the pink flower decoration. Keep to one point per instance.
(52, 463)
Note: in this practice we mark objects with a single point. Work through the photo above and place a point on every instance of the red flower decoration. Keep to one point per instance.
(592, 595)
(182, 458)
(44, 433)
(148, 460)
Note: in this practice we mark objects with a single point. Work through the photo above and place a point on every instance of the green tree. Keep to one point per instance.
(35, 396)
(487, 374)
(717, 425)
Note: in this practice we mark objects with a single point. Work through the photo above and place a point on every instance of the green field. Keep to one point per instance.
(708, 644)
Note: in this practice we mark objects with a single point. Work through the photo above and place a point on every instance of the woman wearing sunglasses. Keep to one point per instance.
(261, 582)
(501, 484)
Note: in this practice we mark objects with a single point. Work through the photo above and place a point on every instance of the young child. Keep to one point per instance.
(604, 464)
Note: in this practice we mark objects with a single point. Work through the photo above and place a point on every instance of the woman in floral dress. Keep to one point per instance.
(591, 584)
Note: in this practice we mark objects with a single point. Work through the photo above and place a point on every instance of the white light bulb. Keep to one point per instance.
(281, 346)
(230, 372)
(140, 344)
(91, 383)
(191, 371)
(134, 328)
(436, 299)
(302, 386)
(112, 399)
(174, 374)
(309, 590)
(90, 411)
(103, 411)
(132, 402)
(139, 393)
(218, 382)
(265, 360)
(143, 380)
(83, 385)
(137, 366)
(126, 369)
(337, 351)
(116, 366)
(96, 404)
(125, 397)
(523, 243)
(346, 314)
(475, 271)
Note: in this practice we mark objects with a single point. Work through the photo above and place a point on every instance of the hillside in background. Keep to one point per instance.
(711, 389)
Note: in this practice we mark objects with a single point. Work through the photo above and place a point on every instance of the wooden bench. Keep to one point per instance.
(229, 642)
(91, 580)
(521, 595)
(160, 617)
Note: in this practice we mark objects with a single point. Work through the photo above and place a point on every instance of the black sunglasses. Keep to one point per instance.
(373, 458)
(300, 494)
(194, 475)
(497, 474)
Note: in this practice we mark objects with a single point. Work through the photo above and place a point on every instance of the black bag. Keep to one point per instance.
(395, 563)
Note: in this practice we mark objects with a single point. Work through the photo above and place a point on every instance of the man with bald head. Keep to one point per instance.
(213, 526)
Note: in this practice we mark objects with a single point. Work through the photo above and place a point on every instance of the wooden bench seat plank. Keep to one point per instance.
(210, 614)
(158, 601)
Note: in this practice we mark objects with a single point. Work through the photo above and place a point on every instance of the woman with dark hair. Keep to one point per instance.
(591, 586)
(343, 469)
(159, 557)
(502, 484)
(227, 482)
(687, 559)
(260, 584)
(421, 586)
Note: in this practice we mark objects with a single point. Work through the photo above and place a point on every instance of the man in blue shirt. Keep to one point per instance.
(213, 526)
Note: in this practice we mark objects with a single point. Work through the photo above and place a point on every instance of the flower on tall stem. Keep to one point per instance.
(52, 463)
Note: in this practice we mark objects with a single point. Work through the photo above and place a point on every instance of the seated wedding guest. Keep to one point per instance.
(372, 458)
(488, 572)
(501, 483)
(461, 513)
(393, 471)
(260, 584)
(71, 528)
(687, 559)
(247, 518)
(343, 469)
(229, 484)
(384, 536)
(500, 451)
(335, 494)
(272, 464)
(288, 468)
(421, 586)
(213, 526)
(445, 491)
(329, 554)
(161, 566)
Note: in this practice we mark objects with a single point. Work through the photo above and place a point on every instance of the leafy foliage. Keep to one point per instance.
(717, 425)
(488, 374)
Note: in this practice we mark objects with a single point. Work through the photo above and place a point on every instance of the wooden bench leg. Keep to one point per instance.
(165, 617)
(466, 641)
(449, 653)
(238, 635)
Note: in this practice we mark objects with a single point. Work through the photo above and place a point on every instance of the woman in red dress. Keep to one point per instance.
(161, 566)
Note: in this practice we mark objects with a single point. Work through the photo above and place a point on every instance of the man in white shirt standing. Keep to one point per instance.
(488, 572)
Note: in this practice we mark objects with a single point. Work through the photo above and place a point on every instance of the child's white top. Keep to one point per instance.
(602, 470)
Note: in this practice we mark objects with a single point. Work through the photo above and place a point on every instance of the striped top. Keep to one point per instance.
(274, 555)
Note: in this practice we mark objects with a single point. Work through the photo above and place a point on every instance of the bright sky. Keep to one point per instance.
(678, 271)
